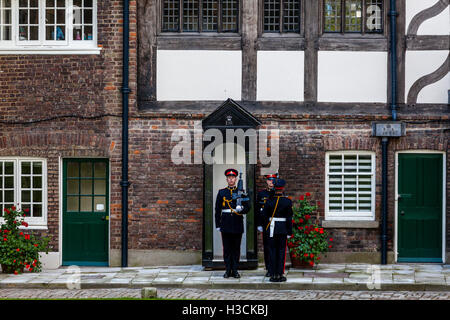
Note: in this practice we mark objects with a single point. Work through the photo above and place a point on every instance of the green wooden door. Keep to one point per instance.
(85, 212)
(419, 207)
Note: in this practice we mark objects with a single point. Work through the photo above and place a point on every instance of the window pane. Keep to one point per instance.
(50, 3)
(37, 182)
(271, 15)
(291, 16)
(9, 167)
(349, 163)
(86, 186)
(9, 182)
(86, 169)
(86, 204)
(230, 15)
(73, 169)
(77, 3)
(99, 204)
(23, 16)
(60, 3)
(100, 187)
(34, 33)
(37, 196)
(23, 3)
(26, 206)
(6, 34)
(353, 15)
(88, 3)
(88, 33)
(73, 186)
(26, 196)
(77, 33)
(26, 167)
(34, 17)
(37, 167)
(332, 15)
(34, 3)
(210, 15)
(171, 12)
(190, 15)
(26, 182)
(9, 195)
(61, 16)
(100, 169)
(37, 210)
(72, 204)
(374, 16)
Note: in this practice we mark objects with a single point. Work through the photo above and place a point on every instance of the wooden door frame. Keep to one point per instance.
(419, 151)
(60, 190)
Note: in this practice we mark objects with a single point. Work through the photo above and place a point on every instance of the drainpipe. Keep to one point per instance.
(385, 140)
(125, 92)
(393, 26)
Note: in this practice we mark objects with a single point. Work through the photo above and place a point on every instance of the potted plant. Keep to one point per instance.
(308, 240)
(19, 250)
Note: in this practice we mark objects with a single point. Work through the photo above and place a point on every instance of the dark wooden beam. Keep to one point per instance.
(312, 21)
(249, 54)
(147, 29)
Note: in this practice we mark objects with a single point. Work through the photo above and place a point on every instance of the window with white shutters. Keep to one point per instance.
(350, 186)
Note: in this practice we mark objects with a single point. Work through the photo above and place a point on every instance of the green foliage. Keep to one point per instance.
(19, 249)
(308, 240)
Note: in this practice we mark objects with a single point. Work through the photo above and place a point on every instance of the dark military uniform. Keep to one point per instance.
(261, 199)
(231, 224)
(278, 214)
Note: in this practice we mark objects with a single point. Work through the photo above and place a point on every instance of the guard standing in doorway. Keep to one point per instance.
(261, 199)
(230, 222)
(278, 212)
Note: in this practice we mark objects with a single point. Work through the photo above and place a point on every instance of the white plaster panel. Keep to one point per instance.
(421, 63)
(50, 260)
(438, 25)
(345, 76)
(198, 75)
(280, 75)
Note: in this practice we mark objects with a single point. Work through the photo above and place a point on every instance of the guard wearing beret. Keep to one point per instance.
(261, 199)
(278, 214)
(230, 222)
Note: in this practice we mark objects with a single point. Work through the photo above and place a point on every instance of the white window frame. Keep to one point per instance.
(350, 215)
(33, 222)
(42, 46)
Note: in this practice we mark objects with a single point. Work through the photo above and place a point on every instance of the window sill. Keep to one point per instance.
(50, 51)
(199, 42)
(350, 224)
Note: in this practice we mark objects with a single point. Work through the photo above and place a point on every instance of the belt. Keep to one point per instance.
(272, 224)
(226, 210)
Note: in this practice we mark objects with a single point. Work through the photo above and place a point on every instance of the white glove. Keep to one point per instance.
(218, 229)
(239, 208)
(260, 229)
(288, 237)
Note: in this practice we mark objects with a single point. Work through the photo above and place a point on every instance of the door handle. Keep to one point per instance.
(402, 213)
(105, 218)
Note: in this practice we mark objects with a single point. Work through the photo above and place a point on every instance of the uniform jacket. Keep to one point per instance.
(283, 210)
(261, 199)
(229, 221)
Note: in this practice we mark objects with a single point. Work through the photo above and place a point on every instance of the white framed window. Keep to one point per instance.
(23, 183)
(350, 185)
(48, 27)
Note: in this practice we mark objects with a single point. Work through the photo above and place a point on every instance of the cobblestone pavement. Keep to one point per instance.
(220, 294)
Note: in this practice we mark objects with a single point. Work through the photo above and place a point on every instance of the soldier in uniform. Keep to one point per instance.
(261, 199)
(278, 213)
(230, 222)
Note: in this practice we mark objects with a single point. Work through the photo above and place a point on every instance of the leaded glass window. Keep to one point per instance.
(281, 16)
(353, 16)
(200, 16)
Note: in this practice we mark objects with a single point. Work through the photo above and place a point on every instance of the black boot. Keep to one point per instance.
(236, 275)
(274, 279)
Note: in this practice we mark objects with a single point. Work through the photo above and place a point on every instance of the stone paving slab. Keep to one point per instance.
(322, 277)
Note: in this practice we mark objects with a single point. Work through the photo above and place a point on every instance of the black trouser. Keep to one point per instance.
(231, 243)
(266, 249)
(277, 254)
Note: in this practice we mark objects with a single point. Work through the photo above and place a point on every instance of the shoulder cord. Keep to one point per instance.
(274, 210)
(228, 203)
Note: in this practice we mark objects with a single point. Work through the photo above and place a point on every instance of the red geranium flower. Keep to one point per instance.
(302, 197)
(13, 208)
(18, 250)
(308, 194)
